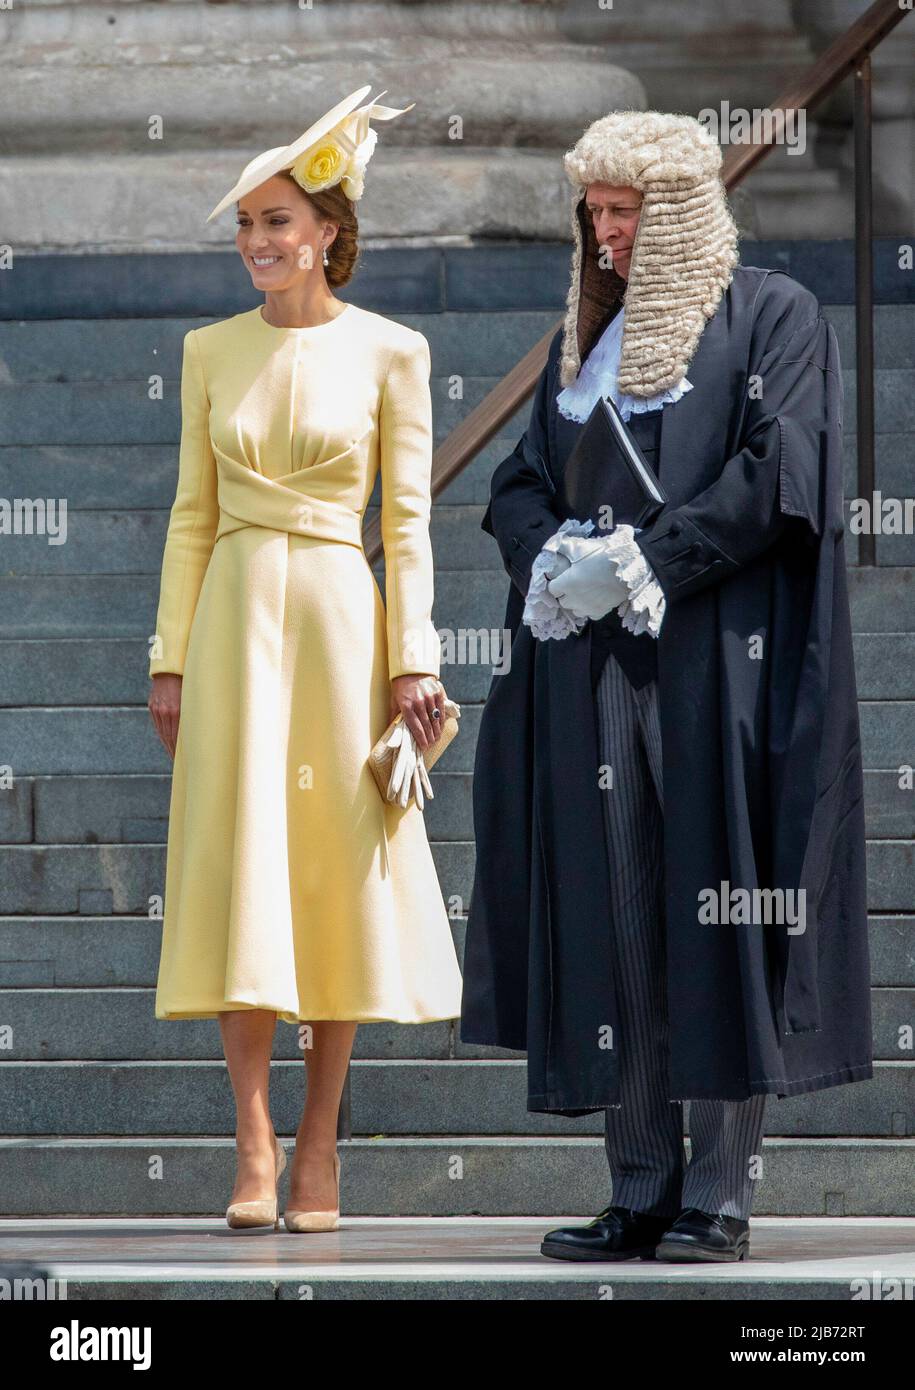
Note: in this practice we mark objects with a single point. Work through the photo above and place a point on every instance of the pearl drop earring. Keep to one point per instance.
(326, 261)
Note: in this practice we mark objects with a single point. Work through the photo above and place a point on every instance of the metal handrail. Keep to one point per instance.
(849, 53)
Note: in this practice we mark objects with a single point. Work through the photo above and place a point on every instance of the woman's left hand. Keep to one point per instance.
(415, 697)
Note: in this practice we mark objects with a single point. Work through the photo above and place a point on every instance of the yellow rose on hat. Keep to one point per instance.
(319, 168)
(332, 162)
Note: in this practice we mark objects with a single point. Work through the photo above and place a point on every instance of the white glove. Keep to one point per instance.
(572, 548)
(553, 559)
(589, 588)
(408, 769)
(554, 562)
(543, 613)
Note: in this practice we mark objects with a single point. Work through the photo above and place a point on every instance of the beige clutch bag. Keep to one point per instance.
(395, 757)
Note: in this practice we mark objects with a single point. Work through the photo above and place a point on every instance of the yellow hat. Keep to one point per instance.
(335, 149)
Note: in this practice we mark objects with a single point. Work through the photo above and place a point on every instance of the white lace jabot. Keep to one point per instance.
(598, 377)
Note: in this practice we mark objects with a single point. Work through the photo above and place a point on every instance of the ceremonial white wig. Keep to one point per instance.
(684, 253)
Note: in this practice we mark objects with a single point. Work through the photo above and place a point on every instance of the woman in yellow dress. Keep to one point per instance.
(293, 888)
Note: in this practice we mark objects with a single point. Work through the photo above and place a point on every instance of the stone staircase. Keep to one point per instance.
(92, 1086)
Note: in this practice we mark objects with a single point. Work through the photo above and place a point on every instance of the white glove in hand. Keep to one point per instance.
(543, 613)
(555, 563)
(408, 769)
(574, 548)
(552, 561)
(589, 588)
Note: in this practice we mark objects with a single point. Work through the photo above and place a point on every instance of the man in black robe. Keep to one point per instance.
(694, 928)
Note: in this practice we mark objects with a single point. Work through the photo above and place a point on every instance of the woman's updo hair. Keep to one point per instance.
(332, 205)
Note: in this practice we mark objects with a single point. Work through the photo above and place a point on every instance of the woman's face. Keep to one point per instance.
(280, 236)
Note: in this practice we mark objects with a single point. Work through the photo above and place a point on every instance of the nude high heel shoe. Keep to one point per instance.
(264, 1212)
(299, 1221)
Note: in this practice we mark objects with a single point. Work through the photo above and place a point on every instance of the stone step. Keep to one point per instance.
(89, 952)
(122, 412)
(121, 809)
(112, 544)
(495, 1258)
(120, 350)
(33, 607)
(416, 1176)
(56, 880)
(100, 671)
(57, 1024)
(488, 277)
(397, 280)
(456, 1096)
(777, 204)
(102, 607)
(97, 606)
(882, 600)
(93, 740)
(463, 341)
(120, 1024)
(141, 477)
(100, 880)
(105, 671)
(98, 413)
(122, 740)
(131, 542)
(133, 808)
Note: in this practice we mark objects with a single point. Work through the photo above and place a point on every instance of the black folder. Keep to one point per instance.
(607, 468)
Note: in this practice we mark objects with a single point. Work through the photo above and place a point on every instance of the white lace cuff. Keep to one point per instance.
(641, 405)
(644, 609)
(543, 613)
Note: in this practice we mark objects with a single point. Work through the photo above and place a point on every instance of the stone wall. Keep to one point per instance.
(123, 124)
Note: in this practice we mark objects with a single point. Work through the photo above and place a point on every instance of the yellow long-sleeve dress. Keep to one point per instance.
(291, 884)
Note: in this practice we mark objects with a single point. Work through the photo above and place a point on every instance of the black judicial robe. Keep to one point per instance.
(763, 783)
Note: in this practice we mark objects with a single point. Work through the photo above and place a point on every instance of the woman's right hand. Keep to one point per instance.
(165, 707)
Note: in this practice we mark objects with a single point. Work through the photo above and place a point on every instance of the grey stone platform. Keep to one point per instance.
(454, 1260)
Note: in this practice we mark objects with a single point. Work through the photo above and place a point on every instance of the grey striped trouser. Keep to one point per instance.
(644, 1135)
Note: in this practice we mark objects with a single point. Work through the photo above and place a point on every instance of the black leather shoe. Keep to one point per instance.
(698, 1235)
(616, 1234)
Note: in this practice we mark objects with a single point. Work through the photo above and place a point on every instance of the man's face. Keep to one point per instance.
(614, 211)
